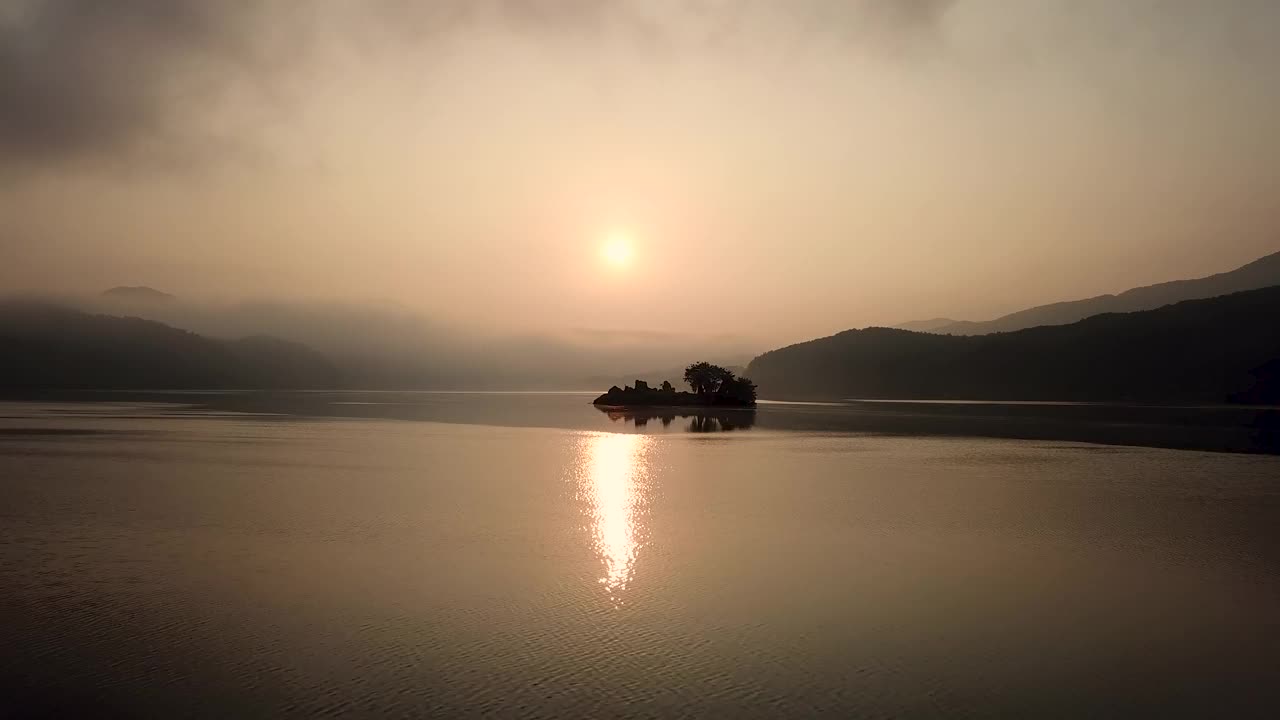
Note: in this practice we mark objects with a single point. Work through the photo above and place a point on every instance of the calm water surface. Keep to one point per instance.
(528, 556)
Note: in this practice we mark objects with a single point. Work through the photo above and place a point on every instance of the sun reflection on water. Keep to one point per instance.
(613, 483)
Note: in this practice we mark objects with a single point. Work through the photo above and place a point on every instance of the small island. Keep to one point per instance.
(712, 385)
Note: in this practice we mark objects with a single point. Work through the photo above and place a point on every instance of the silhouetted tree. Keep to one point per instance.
(740, 389)
(705, 378)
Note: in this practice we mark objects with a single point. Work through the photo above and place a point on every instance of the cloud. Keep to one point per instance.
(123, 79)
(94, 80)
(690, 24)
(78, 74)
(88, 78)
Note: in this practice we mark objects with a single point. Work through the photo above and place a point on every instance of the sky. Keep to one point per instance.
(766, 171)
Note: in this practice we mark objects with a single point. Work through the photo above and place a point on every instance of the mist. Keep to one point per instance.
(639, 358)
(382, 346)
(782, 171)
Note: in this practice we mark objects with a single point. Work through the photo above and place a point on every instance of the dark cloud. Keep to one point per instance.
(674, 22)
(864, 17)
(77, 75)
(84, 79)
(915, 16)
(879, 26)
(90, 77)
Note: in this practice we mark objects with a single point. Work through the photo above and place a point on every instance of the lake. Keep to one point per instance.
(526, 555)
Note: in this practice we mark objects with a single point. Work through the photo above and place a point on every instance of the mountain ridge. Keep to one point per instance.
(50, 346)
(137, 293)
(1224, 349)
(1262, 272)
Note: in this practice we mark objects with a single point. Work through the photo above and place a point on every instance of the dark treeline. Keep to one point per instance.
(46, 346)
(1224, 349)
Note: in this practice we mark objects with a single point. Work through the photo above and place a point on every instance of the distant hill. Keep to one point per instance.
(48, 346)
(1263, 272)
(927, 325)
(137, 294)
(1223, 349)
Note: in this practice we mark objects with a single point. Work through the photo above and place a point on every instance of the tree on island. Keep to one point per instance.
(740, 389)
(709, 380)
(705, 378)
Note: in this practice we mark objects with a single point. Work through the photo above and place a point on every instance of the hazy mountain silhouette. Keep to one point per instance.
(385, 346)
(139, 293)
(1223, 349)
(47, 346)
(927, 325)
(1263, 272)
(370, 346)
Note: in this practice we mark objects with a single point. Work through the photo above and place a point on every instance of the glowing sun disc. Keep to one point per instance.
(617, 251)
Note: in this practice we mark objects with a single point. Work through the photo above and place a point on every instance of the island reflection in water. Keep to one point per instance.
(699, 420)
(614, 487)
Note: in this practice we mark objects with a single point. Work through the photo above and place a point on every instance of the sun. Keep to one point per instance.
(617, 250)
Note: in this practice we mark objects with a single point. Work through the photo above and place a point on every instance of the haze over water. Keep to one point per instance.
(172, 559)
(977, 303)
